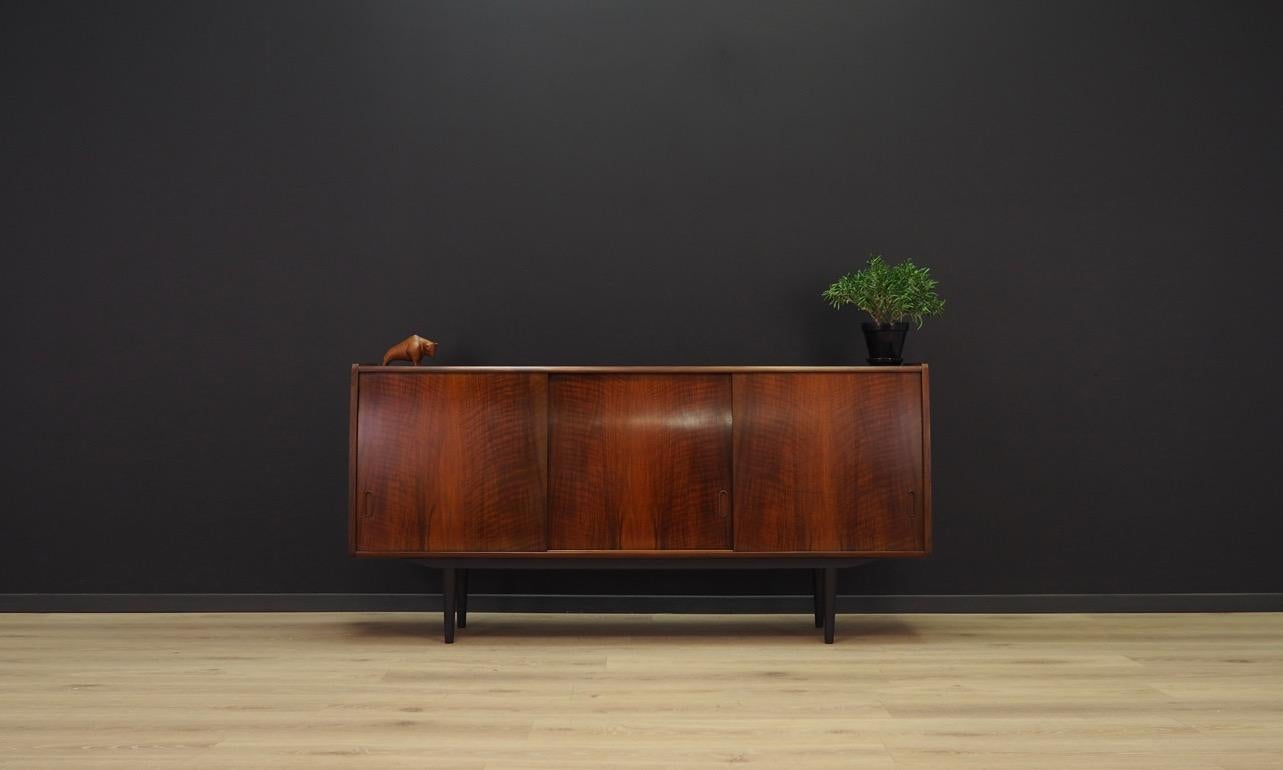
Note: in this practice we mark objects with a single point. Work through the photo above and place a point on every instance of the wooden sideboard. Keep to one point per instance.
(703, 466)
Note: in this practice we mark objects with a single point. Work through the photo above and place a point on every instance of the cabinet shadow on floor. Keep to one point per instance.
(483, 626)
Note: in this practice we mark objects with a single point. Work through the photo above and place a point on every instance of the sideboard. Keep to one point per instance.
(467, 467)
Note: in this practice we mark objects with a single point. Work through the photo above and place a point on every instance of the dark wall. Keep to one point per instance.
(210, 210)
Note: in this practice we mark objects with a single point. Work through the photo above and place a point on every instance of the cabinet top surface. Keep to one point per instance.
(905, 369)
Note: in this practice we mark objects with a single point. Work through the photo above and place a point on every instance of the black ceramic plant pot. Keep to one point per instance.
(886, 342)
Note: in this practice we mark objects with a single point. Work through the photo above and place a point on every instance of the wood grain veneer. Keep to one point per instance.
(640, 461)
(451, 462)
(829, 462)
(590, 461)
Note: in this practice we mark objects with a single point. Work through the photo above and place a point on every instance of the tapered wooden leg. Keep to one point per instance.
(462, 600)
(817, 597)
(447, 598)
(830, 597)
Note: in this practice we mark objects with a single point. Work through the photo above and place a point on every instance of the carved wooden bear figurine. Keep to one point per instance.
(410, 349)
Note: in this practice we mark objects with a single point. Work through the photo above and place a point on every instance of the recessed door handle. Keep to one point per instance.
(723, 502)
(367, 511)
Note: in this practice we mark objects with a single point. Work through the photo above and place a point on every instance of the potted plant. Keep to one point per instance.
(890, 294)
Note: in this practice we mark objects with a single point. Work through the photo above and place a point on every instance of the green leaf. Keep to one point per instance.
(888, 293)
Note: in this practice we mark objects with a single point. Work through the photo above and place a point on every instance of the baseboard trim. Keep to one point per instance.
(782, 604)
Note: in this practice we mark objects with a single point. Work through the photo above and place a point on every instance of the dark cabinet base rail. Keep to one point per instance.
(454, 581)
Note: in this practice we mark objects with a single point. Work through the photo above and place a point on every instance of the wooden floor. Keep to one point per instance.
(1036, 692)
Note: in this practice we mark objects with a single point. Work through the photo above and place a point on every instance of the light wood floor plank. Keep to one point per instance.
(331, 690)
